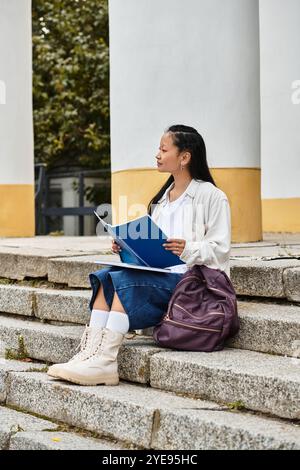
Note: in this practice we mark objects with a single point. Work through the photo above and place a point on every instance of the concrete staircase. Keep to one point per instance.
(244, 397)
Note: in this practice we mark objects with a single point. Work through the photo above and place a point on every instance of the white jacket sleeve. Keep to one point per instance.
(214, 249)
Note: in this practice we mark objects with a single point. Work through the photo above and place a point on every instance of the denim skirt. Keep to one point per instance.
(143, 294)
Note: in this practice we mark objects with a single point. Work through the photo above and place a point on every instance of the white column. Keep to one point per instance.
(280, 114)
(16, 128)
(193, 62)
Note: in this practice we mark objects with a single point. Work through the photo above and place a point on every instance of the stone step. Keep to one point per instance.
(61, 305)
(262, 382)
(144, 417)
(28, 257)
(281, 276)
(266, 327)
(57, 441)
(18, 262)
(52, 343)
(7, 366)
(38, 340)
(20, 431)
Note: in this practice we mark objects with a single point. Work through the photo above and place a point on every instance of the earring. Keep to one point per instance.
(181, 167)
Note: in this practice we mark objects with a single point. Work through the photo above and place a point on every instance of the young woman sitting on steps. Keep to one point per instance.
(195, 214)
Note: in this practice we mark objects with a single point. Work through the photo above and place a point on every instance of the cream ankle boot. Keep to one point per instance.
(91, 339)
(101, 367)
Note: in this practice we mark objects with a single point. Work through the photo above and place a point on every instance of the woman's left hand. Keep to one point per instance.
(176, 245)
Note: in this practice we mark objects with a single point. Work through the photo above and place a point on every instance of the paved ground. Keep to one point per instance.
(273, 245)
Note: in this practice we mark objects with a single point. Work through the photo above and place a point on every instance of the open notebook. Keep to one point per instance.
(141, 241)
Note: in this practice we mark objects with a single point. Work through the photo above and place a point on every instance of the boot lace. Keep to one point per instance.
(98, 349)
(87, 344)
(100, 346)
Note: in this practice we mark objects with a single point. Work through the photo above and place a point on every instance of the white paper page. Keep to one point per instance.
(133, 266)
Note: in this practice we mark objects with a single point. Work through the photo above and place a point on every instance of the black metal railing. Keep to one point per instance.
(42, 209)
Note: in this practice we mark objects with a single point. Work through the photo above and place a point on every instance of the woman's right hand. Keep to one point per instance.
(115, 247)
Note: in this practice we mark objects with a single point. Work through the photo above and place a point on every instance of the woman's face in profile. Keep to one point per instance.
(167, 157)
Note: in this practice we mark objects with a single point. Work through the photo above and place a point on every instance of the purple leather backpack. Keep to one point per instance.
(202, 312)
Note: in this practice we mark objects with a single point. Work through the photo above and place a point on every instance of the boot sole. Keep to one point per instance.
(57, 374)
(53, 374)
(108, 381)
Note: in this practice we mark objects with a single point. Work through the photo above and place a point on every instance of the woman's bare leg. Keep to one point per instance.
(101, 304)
(116, 306)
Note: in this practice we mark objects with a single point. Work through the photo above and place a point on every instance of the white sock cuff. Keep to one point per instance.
(118, 321)
(99, 318)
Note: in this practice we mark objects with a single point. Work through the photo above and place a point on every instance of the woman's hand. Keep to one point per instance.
(176, 245)
(115, 247)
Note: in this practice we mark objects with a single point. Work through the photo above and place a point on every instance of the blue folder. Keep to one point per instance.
(141, 241)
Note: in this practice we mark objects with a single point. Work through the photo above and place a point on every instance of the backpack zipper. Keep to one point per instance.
(194, 316)
(167, 318)
(180, 282)
(209, 287)
(203, 280)
(188, 277)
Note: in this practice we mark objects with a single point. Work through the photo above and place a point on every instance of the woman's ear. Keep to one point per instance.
(186, 157)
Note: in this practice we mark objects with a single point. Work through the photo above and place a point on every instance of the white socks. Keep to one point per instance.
(112, 320)
(118, 322)
(99, 318)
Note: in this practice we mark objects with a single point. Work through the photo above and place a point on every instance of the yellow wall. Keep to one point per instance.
(241, 185)
(17, 218)
(281, 215)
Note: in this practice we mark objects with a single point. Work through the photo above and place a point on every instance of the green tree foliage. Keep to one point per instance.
(71, 82)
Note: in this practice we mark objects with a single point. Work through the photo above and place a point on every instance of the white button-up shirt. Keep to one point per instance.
(202, 218)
